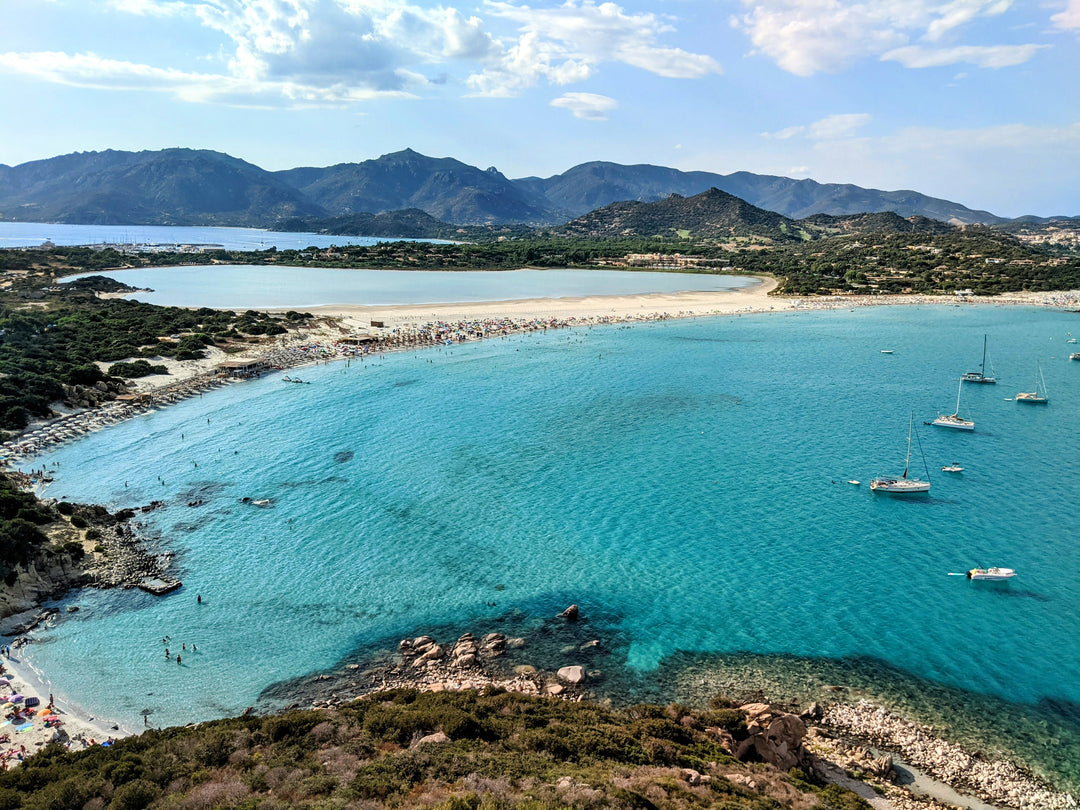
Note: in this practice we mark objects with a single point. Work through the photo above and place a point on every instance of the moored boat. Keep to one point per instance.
(902, 485)
(991, 574)
(1039, 395)
(955, 420)
(980, 375)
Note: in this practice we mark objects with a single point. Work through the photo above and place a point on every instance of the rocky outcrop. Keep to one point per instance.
(774, 736)
(120, 558)
(52, 574)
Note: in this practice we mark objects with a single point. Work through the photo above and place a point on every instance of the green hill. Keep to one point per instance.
(711, 215)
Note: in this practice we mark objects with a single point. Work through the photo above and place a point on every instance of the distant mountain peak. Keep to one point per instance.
(181, 185)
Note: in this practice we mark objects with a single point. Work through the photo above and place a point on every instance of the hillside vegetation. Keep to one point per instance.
(492, 751)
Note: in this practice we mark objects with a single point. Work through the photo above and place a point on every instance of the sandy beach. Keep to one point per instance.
(27, 733)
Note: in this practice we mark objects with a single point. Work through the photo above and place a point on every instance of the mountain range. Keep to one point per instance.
(201, 187)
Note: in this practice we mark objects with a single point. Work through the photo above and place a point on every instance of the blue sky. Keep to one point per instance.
(976, 101)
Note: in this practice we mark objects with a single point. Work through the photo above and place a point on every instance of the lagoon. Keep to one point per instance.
(260, 287)
(683, 481)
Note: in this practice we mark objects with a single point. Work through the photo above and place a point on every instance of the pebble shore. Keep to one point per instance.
(1000, 783)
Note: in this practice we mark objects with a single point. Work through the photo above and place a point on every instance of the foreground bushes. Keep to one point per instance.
(506, 751)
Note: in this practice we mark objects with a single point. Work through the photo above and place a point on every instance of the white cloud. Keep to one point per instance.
(146, 8)
(832, 127)
(985, 56)
(837, 126)
(92, 71)
(590, 106)
(568, 42)
(378, 45)
(806, 37)
(1069, 18)
(325, 51)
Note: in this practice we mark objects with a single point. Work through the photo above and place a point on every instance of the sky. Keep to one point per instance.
(975, 101)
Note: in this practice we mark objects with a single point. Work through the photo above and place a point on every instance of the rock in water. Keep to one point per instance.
(572, 674)
(570, 614)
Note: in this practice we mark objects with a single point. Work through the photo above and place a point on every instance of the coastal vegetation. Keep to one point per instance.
(21, 537)
(489, 750)
(53, 338)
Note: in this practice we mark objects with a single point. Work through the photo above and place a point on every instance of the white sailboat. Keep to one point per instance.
(980, 375)
(1039, 395)
(902, 485)
(955, 420)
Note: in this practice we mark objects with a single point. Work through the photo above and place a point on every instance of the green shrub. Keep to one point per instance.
(137, 368)
(135, 795)
(64, 508)
(78, 522)
(74, 549)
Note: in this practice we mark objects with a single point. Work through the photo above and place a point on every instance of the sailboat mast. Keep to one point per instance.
(959, 388)
(907, 461)
(982, 368)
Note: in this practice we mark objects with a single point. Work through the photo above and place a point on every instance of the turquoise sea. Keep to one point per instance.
(684, 482)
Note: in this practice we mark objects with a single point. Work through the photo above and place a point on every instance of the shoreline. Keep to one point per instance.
(77, 729)
(414, 326)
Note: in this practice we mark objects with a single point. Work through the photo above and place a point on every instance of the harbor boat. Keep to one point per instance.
(902, 485)
(1038, 396)
(1074, 356)
(886, 351)
(980, 375)
(955, 420)
(991, 574)
(952, 468)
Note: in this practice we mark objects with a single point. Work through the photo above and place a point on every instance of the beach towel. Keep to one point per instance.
(27, 727)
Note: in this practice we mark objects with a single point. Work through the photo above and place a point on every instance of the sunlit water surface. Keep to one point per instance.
(684, 482)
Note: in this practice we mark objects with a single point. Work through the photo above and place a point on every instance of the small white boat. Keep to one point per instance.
(886, 351)
(1074, 356)
(992, 574)
(854, 482)
(952, 468)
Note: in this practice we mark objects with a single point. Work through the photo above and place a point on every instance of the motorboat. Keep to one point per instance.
(952, 468)
(991, 574)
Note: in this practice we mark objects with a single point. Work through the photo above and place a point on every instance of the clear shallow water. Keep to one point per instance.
(684, 482)
(231, 286)
(32, 234)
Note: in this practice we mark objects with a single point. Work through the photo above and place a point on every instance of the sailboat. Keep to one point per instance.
(902, 485)
(955, 420)
(1038, 396)
(980, 375)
